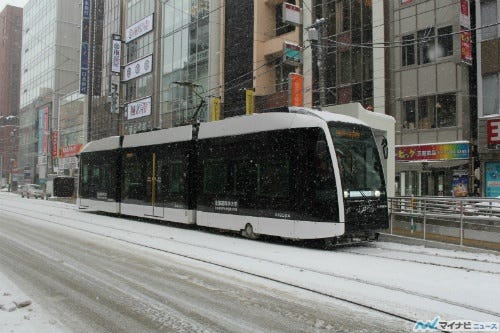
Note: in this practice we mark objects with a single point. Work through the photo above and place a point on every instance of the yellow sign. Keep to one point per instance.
(250, 101)
(215, 114)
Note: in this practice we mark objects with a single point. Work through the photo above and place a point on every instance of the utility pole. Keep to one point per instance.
(315, 32)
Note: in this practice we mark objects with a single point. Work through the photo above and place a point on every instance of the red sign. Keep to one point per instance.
(296, 82)
(55, 135)
(493, 132)
(464, 14)
(71, 150)
(466, 46)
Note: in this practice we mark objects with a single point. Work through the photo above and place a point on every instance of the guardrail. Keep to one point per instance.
(466, 221)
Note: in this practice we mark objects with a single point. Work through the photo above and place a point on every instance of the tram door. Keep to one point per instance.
(154, 194)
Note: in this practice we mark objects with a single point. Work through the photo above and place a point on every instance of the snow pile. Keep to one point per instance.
(19, 314)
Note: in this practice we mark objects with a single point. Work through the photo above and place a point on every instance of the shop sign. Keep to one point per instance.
(492, 178)
(433, 152)
(55, 139)
(295, 89)
(43, 131)
(292, 14)
(138, 29)
(116, 53)
(291, 54)
(71, 150)
(466, 46)
(138, 68)
(460, 184)
(493, 133)
(139, 108)
(464, 14)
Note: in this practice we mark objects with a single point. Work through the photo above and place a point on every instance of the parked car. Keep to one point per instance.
(32, 191)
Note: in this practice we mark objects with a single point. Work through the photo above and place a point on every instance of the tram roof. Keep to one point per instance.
(261, 122)
(109, 143)
(169, 135)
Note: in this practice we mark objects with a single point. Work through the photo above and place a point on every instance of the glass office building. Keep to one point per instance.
(49, 67)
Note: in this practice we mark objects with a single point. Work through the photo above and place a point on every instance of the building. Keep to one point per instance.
(49, 71)
(488, 92)
(11, 21)
(430, 70)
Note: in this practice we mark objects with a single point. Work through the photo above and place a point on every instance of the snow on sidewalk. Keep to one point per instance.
(18, 314)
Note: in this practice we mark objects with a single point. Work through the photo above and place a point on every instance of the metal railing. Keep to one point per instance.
(471, 219)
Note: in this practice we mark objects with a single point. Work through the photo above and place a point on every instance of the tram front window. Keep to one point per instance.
(358, 159)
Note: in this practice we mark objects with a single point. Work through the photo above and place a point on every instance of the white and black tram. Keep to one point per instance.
(301, 174)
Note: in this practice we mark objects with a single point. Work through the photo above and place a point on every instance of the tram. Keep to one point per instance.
(301, 174)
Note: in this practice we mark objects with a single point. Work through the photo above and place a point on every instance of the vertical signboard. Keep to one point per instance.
(466, 46)
(493, 133)
(215, 114)
(116, 53)
(465, 33)
(250, 104)
(295, 89)
(43, 131)
(464, 14)
(54, 145)
(84, 49)
(492, 179)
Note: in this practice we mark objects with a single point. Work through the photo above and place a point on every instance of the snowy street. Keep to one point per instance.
(89, 272)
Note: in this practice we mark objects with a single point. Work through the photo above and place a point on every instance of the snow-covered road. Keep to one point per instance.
(119, 266)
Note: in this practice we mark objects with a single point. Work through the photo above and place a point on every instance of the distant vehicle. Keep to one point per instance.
(32, 191)
(60, 186)
(298, 174)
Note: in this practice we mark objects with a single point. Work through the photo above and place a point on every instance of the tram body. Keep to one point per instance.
(302, 174)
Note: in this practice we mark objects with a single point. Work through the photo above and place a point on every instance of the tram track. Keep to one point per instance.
(468, 269)
(51, 219)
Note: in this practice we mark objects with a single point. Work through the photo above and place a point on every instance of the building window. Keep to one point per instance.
(408, 51)
(282, 72)
(491, 94)
(445, 42)
(408, 113)
(425, 46)
(489, 19)
(446, 110)
(426, 112)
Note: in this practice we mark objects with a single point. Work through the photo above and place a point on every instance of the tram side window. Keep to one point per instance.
(274, 178)
(214, 177)
(133, 185)
(245, 177)
(325, 188)
(176, 178)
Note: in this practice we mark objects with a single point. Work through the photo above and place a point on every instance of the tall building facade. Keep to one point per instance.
(11, 19)
(488, 91)
(431, 64)
(49, 71)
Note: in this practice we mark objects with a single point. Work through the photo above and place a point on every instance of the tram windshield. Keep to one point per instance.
(359, 161)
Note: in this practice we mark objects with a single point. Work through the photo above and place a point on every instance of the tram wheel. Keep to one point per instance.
(330, 243)
(248, 232)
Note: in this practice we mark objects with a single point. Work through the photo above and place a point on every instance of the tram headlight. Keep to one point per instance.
(346, 194)
(377, 193)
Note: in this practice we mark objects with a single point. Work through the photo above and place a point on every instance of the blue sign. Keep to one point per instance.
(492, 179)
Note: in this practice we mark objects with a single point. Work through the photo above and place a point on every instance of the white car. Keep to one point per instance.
(32, 191)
